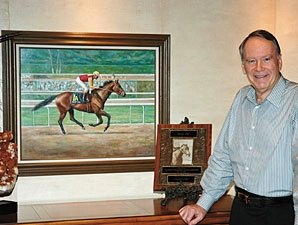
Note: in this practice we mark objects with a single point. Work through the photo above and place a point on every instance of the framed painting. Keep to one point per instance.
(58, 130)
(182, 153)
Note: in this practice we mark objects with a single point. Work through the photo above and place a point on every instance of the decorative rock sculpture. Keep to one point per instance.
(8, 163)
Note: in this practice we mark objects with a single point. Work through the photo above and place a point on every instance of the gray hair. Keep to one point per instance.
(261, 34)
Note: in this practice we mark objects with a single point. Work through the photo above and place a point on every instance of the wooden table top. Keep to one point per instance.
(110, 209)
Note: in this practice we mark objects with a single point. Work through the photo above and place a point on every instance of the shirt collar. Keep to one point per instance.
(274, 96)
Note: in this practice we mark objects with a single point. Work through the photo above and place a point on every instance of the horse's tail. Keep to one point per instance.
(44, 102)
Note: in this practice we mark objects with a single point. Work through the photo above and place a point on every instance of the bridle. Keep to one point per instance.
(105, 89)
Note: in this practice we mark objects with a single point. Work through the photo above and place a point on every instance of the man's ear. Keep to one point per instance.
(280, 63)
(243, 69)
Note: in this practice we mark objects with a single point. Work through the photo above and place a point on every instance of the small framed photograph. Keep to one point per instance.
(182, 152)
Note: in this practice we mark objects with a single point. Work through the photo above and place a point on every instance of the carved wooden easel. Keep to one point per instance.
(191, 193)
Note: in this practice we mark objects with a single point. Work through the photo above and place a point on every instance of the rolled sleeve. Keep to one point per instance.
(206, 201)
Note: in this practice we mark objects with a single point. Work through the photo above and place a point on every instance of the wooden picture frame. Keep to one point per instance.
(13, 76)
(182, 153)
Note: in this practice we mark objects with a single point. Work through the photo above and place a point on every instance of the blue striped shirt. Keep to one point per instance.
(255, 145)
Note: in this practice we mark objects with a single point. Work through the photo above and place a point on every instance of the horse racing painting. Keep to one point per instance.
(117, 125)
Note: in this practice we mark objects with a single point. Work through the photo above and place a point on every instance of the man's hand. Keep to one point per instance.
(192, 214)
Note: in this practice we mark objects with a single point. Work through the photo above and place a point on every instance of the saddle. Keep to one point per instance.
(79, 97)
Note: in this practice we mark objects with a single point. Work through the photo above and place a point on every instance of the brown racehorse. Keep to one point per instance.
(99, 97)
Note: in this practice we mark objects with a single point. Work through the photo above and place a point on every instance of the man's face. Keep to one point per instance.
(262, 65)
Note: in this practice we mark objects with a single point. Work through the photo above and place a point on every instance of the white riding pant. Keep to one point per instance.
(82, 84)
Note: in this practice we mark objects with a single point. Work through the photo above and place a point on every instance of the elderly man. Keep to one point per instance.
(257, 144)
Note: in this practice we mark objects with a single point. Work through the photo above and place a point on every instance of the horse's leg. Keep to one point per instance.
(100, 121)
(99, 112)
(61, 117)
(99, 116)
(108, 123)
(72, 118)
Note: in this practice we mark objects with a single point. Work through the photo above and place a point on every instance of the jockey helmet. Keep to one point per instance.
(96, 73)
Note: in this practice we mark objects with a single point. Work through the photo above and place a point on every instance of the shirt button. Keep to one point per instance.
(246, 168)
(253, 127)
(250, 148)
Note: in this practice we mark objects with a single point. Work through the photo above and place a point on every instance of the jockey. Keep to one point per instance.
(84, 78)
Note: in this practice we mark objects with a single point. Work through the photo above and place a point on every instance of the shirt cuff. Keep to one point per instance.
(206, 201)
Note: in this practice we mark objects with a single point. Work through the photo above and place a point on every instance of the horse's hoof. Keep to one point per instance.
(83, 128)
(63, 131)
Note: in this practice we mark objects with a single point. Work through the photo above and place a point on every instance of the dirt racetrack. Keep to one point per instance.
(48, 143)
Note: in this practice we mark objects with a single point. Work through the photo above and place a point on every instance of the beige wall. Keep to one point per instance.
(287, 31)
(205, 66)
